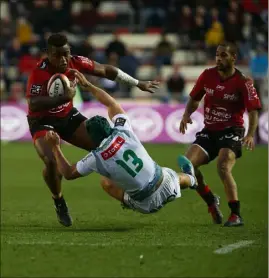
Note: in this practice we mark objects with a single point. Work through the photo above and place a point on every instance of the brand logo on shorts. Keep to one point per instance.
(146, 123)
(113, 148)
(172, 126)
(14, 124)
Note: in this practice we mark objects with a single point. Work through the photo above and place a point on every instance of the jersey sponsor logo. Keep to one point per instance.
(252, 94)
(220, 88)
(120, 122)
(232, 97)
(113, 148)
(35, 90)
(209, 91)
(60, 108)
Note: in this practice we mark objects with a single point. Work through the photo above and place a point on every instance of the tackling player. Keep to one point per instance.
(57, 113)
(129, 173)
(228, 93)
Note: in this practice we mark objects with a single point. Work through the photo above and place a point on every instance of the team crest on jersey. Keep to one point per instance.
(113, 148)
(120, 122)
(35, 90)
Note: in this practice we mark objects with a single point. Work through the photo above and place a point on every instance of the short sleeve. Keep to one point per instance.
(250, 96)
(35, 85)
(83, 64)
(87, 165)
(122, 122)
(198, 91)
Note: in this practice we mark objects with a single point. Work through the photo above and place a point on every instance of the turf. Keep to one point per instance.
(107, 241)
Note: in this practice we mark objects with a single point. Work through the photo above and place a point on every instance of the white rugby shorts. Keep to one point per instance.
(168, 191)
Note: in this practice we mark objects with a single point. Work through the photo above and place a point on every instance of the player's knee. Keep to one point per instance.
(224, 168)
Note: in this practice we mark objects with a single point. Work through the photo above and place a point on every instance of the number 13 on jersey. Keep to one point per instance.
(134, 167)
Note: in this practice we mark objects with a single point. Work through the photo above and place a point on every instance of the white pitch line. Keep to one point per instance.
(229, 248)
(96, 244)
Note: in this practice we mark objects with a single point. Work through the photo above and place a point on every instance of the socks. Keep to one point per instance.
(206, 194)
(234, 205)
(192, 179)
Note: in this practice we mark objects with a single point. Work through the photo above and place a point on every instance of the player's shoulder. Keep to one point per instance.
(77, 60)
(210, 70)
(242, 77)
(40, 71)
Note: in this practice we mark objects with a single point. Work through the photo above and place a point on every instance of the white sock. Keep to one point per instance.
(192, 179)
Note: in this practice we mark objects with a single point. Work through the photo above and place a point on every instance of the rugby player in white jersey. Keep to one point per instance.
(129, 174)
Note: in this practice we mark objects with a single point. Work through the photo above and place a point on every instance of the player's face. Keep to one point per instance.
(224, 59)
(59, 57)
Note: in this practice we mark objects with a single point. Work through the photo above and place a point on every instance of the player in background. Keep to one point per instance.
(57, 113)
(227, 94)
(129, 173)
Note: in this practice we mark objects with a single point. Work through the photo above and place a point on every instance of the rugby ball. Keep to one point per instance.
(55, 86)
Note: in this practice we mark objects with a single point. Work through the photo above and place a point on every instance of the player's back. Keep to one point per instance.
(122, 158)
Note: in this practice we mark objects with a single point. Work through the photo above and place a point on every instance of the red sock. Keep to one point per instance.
(206, 194)
(204, 190)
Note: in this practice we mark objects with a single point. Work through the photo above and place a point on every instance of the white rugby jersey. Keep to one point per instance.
(122, 158)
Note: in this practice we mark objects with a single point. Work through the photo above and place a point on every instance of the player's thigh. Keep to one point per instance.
(44, 151)
(232, 139)
(226, 160)
(201, 151)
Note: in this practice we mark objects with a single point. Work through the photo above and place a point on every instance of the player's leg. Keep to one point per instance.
(230, 150)
(112, 189)
(201, 152)
(53, 179)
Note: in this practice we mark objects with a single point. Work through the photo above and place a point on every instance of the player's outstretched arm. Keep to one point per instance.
(66, 169)
(113, 107)
(39, 103)
(113, 73)
(191, 107)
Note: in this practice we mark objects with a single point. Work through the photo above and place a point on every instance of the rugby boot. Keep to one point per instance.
(234, 221)
(186, 167)
(62, 212)
(215, 212)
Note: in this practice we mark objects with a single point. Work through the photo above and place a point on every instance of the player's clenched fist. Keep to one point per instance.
(186, 119)
(53, 138)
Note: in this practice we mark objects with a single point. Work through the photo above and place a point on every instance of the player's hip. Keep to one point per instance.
(64, 126)
(167, 190)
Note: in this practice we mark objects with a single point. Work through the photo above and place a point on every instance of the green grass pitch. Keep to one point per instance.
(107, 241)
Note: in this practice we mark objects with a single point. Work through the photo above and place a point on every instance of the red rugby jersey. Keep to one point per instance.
(40, 76)
(225, 100)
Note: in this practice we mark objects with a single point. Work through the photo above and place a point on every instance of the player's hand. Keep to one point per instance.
(148, 86)
(82, 80)
(70, 91)
(53, 138)
(248, 141)
(186, 119)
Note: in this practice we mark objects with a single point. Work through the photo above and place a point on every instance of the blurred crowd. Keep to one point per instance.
(199, 25)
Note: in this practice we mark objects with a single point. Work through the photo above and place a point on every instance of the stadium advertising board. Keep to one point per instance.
(156, 123)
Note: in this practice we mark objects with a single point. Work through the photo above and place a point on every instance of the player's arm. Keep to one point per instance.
(38, 102)
(113, 107)
(70, 172)
(196, 95)
(252, 104)
(115, 74)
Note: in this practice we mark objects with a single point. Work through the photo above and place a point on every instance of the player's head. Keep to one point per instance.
(226, 56)
(98, 129)
(58, 51)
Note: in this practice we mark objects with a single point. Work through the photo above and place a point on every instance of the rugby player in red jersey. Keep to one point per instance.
(227, 94)
(58, 114)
